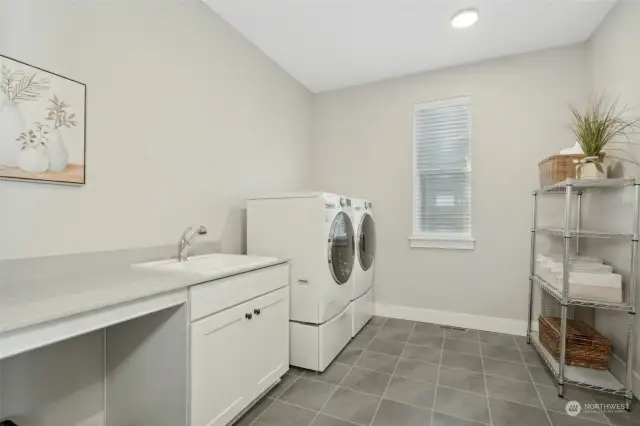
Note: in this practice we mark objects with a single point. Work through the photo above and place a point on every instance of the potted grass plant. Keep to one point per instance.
(596, 128)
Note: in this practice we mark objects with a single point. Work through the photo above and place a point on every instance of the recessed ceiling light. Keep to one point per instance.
(464, 18)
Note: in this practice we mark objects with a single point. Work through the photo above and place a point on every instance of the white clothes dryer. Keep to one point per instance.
(315, 231)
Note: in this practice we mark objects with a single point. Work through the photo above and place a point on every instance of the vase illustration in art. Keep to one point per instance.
(33, 156)
(33, 159)
(17, 86)
(59, 114)
(12, 124)
(57, 152)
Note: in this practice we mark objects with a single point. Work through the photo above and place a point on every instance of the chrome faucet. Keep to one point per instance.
(185, 242)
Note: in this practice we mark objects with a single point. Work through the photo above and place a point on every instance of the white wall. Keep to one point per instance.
(186, 118)
(615, 64)
(362, 145)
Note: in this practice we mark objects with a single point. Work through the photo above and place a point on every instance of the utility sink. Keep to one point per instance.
(210, 264)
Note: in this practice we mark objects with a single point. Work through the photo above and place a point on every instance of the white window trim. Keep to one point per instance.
(437, 241)
(443, 242)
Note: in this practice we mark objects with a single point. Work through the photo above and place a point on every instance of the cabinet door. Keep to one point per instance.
(269, 339)
(219, 360)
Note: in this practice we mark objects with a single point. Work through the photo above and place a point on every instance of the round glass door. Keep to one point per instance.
(366, 242)
(341, 248)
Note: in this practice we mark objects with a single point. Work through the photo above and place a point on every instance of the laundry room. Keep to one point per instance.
(319, 213)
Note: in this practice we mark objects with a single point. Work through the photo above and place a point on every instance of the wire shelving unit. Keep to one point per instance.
(564, 374)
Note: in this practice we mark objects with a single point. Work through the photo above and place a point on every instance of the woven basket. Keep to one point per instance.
(585, 346)
(558, 168)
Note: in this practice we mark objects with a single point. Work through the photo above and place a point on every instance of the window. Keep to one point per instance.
(442, 181)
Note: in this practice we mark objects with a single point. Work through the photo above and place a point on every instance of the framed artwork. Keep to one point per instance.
(42, 125)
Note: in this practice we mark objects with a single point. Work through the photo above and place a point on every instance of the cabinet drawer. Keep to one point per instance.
(212, 297)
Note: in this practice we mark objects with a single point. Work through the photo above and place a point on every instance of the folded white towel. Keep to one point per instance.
(576, 149)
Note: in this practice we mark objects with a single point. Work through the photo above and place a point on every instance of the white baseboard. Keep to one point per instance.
(618, 367)
(453, 319)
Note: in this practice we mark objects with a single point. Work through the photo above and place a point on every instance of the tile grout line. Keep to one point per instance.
(293, 404)
(317, 413)
(582, 418)
(274, 400)
(348, 372)
(435, 391)
(537, 385)
(433, 363)
(377, 396)
(412, 405)
(484, 378)
(402, 402)
(479, 342)
(402, 377)
(343, 379)
(265, 409)
(392, 375)
(337, 418)
(437, 383)
(544, 407)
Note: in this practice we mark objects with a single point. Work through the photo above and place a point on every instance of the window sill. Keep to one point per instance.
(437, 242)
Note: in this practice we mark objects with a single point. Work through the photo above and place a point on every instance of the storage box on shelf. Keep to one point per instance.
(585, 346)
(558, 168)
(599, 380)
(573, 281)
(589, 280)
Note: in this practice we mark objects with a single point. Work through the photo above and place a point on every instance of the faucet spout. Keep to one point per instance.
(185, 241)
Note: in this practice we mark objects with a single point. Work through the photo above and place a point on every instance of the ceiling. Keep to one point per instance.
(331, 44)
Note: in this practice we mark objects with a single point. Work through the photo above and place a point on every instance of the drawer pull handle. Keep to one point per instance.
(248, 315)
(257, 311)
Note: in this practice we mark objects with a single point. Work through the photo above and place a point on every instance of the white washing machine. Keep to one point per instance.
(314, 231)
(362, 305)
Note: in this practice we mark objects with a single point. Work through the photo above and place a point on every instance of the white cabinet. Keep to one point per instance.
(269, 343)
(218, 367)
(236, 355)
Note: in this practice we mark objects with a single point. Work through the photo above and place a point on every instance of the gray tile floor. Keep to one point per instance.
(404, 373)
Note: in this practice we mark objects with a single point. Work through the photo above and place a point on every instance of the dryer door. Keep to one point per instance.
(366, 242)
(341, 249)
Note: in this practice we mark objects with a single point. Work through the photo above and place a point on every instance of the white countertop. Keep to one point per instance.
(49, 296)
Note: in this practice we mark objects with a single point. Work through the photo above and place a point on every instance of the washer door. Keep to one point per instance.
(341, 248)
(366, 242)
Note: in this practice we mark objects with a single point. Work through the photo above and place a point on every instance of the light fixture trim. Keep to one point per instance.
(465, 18)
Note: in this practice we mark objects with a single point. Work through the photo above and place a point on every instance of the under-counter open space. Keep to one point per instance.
(119, 375)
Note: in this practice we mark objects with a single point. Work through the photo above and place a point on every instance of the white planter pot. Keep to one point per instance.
(590, 171)
(33, 159)
(11, 125)
(57, 152)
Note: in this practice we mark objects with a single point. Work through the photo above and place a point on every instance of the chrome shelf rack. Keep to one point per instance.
(564, 374)
(559, 232)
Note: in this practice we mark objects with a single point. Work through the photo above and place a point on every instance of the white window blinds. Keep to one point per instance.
(442, 166)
